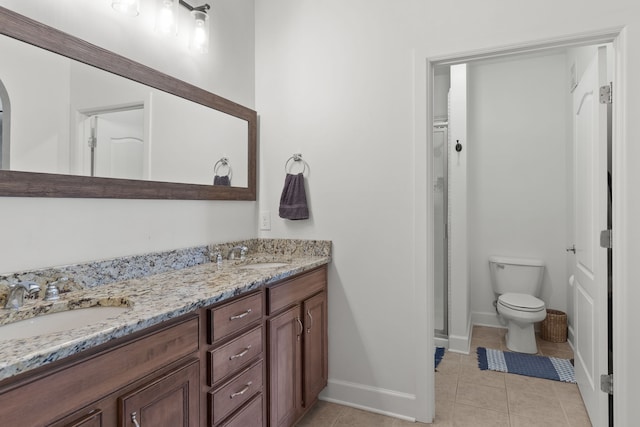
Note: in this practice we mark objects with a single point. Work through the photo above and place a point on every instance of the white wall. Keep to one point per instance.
(441, 85)
(335, 80)
(518, 132)
(46, 232)
(460, 304)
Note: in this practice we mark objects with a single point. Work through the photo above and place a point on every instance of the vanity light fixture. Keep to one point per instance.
(128, 7)
(167, 19)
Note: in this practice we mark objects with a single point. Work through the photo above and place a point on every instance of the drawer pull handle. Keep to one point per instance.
(241, 392)
(240, 316)
(134, 420)
(310, 321)
(242, 353)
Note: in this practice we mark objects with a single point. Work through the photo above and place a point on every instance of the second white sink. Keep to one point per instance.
(59, 322)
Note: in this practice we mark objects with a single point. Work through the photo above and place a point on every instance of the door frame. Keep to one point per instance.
(423, 218)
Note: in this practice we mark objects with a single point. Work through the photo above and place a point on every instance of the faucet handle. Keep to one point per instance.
(32, 288)
(53, 293)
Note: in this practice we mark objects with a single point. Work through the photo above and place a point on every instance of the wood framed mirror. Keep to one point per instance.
(19, 178)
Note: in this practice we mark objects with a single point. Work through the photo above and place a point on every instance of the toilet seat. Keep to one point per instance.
(521, 302)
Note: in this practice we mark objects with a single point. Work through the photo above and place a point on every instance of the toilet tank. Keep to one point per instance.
(520, 275)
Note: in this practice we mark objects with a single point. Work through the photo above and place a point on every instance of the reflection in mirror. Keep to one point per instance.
(123, 129)
(115, 145)
(85, 122)
(5, 121)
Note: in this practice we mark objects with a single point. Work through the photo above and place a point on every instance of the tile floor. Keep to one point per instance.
(467, 396)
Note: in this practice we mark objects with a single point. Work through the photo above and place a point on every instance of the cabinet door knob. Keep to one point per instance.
(134, 420)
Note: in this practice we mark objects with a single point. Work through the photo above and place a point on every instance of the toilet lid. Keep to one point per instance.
(522, 302)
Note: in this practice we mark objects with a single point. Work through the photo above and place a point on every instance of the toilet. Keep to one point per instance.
(517, 283)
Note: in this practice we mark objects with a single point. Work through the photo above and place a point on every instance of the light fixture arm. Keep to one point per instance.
(202, 8)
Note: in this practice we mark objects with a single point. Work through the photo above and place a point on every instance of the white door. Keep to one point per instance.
(119, 149)
(590, 291)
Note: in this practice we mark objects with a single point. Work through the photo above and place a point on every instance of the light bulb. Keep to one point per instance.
(167, 17)
(128, 7)
(200, 34)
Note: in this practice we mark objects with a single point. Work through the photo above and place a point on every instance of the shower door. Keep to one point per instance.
(441, 248)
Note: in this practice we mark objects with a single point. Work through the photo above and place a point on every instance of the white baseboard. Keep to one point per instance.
(441, 342)
(373, 399)
(571, 337)
(461, 343)
(486, 319)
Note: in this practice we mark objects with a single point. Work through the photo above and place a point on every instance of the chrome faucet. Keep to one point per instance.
(52, 293)
(243, 252)
(17, 291)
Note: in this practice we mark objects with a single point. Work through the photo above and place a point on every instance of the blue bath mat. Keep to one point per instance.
(439, 355)
(530, 365)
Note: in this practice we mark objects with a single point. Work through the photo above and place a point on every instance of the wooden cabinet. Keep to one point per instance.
(285, 367)
(84, 418)
(205, 368)
(297, 341)
(84, 389)
(170, 400)
(315, 352)
(233, 384)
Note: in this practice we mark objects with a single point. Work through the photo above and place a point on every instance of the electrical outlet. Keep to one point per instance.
(265, 220)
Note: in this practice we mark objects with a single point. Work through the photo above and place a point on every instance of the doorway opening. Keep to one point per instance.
(447, 256)
(112, 143)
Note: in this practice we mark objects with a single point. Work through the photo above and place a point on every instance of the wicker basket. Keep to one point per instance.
(554, 327)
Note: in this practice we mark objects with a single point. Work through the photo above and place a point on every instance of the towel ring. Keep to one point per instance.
(297, 157)
(224, 161)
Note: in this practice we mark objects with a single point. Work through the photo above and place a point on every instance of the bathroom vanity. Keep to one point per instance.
(242, 346)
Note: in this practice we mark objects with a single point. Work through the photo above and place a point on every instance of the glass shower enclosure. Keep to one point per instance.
(441, 219)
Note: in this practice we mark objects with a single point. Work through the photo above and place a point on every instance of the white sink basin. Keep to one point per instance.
(263, 265)
(59, 322)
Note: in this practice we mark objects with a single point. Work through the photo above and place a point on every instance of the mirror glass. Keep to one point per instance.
(113, 127)
(79, 120)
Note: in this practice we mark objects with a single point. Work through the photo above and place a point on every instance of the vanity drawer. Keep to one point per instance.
(296, 290)
(250, 416)
(229, 318)
(226, 399)
(235, 355)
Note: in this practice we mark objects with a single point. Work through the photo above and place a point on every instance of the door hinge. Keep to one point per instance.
(606, 239)
(606, 383)
(606, 94)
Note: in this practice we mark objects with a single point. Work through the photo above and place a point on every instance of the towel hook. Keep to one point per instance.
(297, 157)
(224, 161)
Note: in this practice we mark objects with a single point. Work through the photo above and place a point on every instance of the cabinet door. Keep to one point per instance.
(285, 382)
(169, 401)
(81, 419)
(315, 347)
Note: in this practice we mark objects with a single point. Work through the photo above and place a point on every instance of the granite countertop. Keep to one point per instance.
(150, 300)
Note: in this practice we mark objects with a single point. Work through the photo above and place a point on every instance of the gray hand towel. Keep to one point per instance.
(293, 201)
(222, 180)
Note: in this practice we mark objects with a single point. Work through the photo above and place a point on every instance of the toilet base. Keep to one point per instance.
(521, 338)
